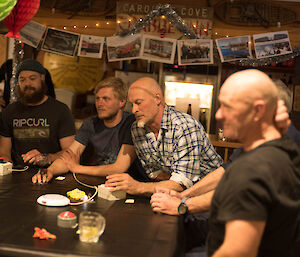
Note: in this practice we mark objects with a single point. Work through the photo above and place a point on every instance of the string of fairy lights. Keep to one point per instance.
(164, 12)
(167, 12)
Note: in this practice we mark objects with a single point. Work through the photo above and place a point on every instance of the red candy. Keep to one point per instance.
(42, 234)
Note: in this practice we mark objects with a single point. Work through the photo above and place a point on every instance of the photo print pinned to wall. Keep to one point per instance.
(123, 48)
(158, 49)
(60, 42)
(32, 33)
(272, 44)
(234, 48)
(91, 46)
(195, 51)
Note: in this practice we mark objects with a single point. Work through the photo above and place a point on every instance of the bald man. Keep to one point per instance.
(255, 205)
(200, 194)
(172, 146)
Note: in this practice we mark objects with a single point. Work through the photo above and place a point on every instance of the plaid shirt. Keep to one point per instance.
(182, 148)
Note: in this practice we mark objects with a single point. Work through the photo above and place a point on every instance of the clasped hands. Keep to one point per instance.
(165, 201)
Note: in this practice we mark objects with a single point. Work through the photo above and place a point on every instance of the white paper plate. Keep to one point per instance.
(53, 200)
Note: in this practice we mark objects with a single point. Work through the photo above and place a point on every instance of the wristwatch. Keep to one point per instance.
(182, 208)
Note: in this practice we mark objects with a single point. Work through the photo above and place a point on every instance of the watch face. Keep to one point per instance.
(182, 209)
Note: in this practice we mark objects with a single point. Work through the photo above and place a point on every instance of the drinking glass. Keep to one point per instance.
(91, 226)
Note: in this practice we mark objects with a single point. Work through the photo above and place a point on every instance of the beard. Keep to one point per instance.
(108, 116)
(35, 96)
(141, 124)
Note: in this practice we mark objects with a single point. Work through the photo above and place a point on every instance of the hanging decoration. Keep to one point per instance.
(21, 14)
(17, 58)
(5, 8)
(160, 10)
(177, 21)
(270, 60)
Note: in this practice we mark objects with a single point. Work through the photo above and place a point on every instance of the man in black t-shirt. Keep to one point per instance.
(255, 206)
(36, 128)
(108, 135)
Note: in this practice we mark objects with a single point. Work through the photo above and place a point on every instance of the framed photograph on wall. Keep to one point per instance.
(91, 46)
(32, 33)
(195, 51)
(234, 48)
(60, 42)
(123, 48)
(158, 49)
(272, 44)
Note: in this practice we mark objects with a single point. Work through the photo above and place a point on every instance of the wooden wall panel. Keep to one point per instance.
(3, 47)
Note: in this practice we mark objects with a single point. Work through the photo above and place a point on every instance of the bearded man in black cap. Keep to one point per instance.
(36, 128)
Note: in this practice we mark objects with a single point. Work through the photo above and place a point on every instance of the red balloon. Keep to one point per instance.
(22, 13)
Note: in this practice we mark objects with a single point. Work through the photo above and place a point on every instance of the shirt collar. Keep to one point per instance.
(165, 121)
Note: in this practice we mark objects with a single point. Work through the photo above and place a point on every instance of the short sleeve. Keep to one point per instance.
(85, 131)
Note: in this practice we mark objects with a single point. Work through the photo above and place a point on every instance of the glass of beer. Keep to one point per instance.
(91, 226)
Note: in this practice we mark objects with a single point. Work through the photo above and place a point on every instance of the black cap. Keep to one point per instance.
(31, 65)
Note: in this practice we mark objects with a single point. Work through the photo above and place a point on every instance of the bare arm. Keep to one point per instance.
(242, 239)
(131, 186)
(200, 203)
(149, 187)
(125, 158)
(58, 166)
(208, 183)
(35, 157)
(5, 149)
(65, 143)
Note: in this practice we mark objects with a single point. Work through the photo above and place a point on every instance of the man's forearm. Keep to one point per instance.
(147, 188)
(55, 156)
(58, 167)
(208, 183)
(100, 170)
(200, 203)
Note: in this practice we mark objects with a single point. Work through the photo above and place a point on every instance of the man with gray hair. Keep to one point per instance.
(172, 146)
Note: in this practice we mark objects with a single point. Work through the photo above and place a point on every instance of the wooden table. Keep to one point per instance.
(224, 144)
(131, 229)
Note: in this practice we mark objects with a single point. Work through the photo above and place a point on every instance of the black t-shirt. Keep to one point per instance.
(36, 127)
(261, 185)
